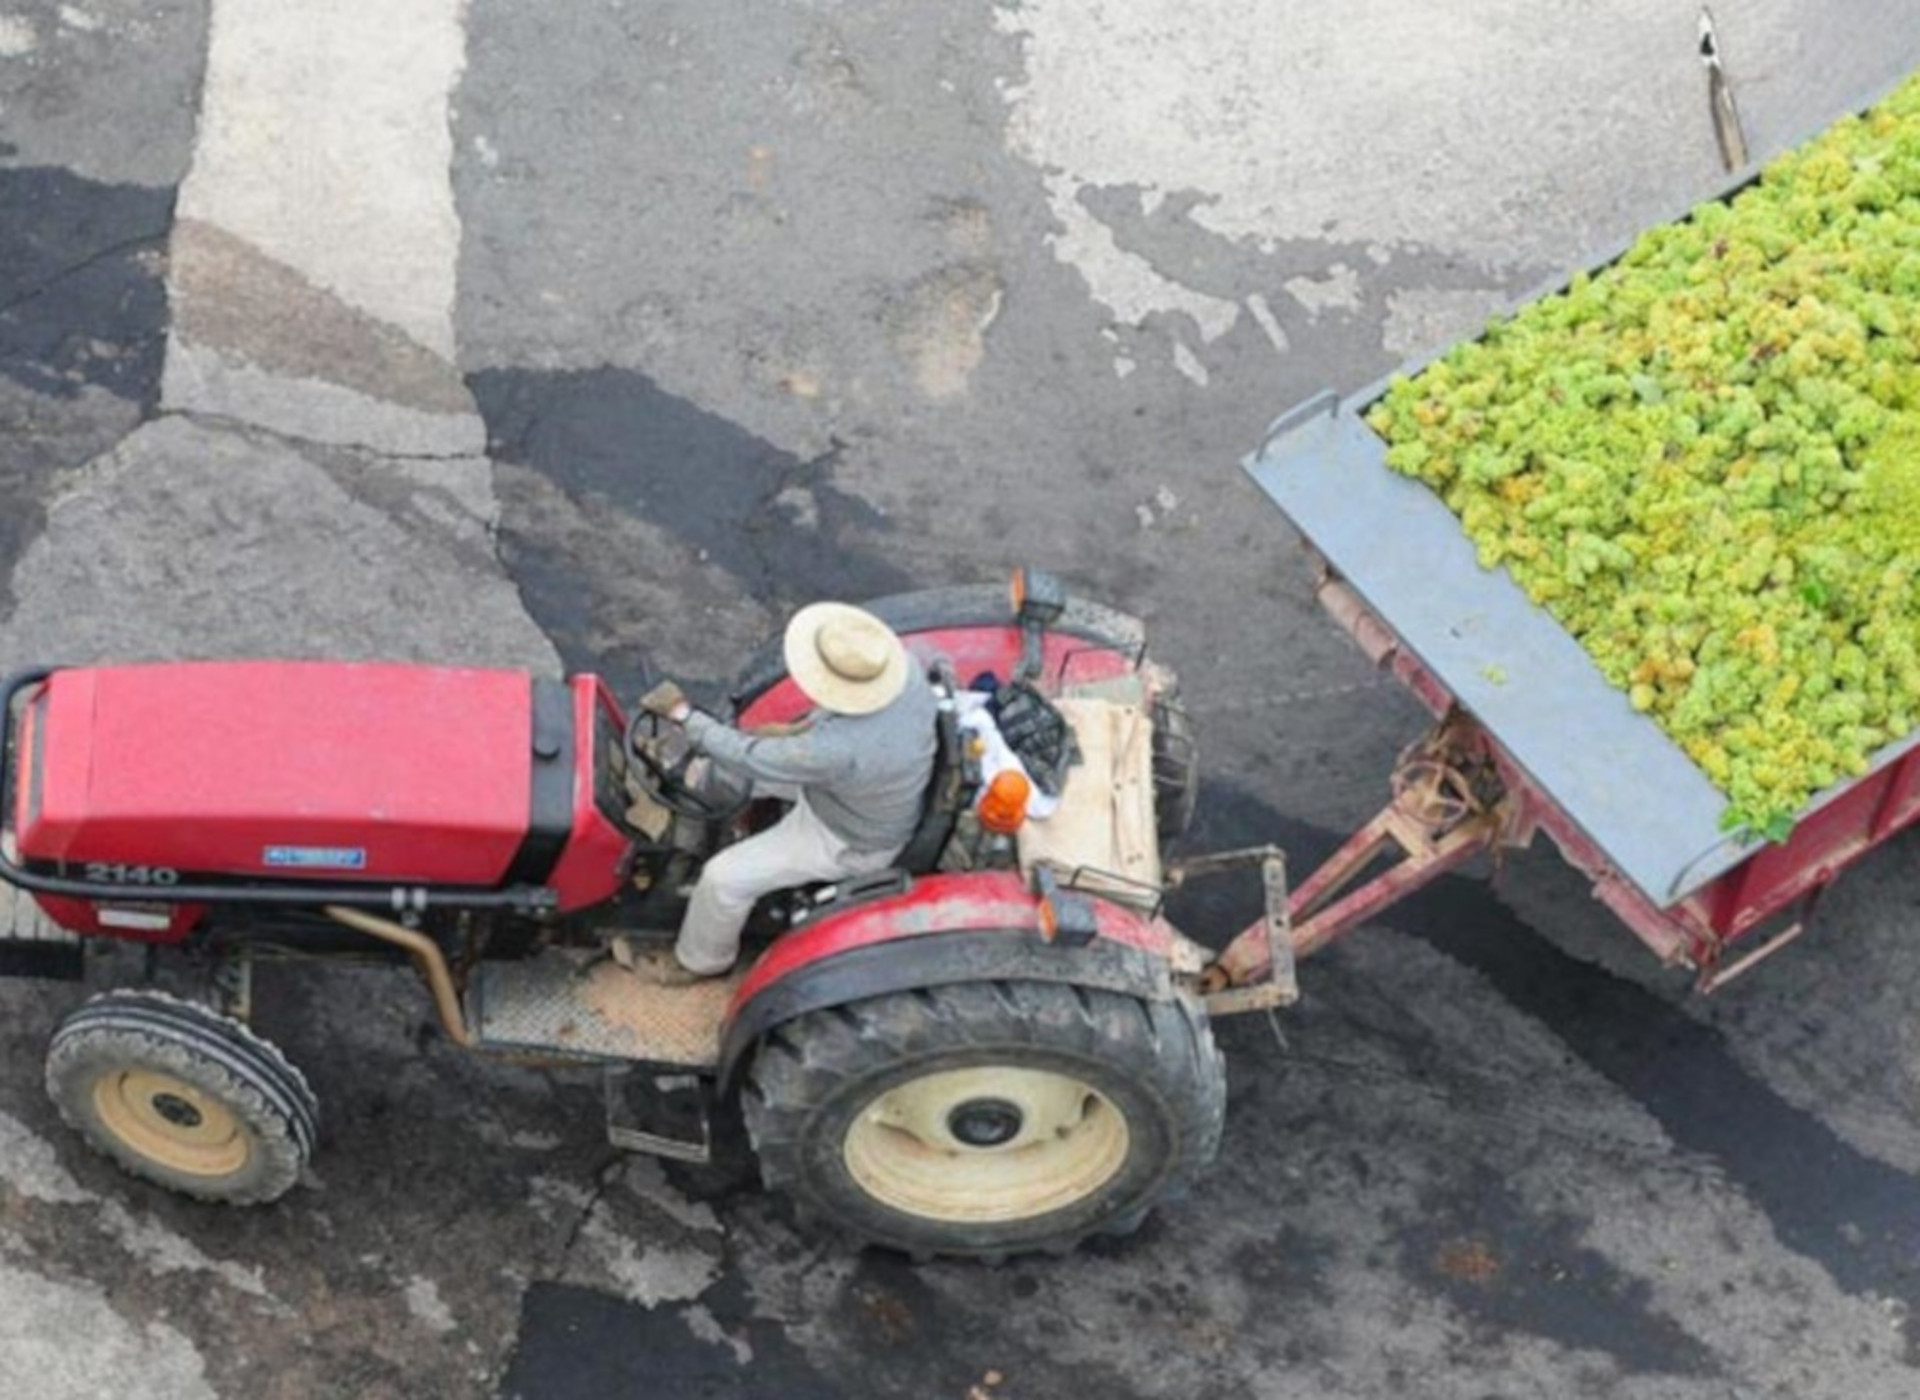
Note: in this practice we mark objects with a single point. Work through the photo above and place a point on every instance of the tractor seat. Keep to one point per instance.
(948, 791)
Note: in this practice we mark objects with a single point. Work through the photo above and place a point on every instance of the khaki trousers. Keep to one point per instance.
(799, 849)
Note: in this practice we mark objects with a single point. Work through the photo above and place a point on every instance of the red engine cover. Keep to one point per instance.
(308, 771)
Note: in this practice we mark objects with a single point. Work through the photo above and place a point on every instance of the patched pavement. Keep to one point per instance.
(506, 335)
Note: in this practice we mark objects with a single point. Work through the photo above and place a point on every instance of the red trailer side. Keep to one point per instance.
(1459, 793)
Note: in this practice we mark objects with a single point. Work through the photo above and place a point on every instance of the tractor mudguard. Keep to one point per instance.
(1085, 627)
(943, 930)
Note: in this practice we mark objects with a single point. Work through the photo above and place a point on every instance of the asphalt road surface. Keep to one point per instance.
(602, 334)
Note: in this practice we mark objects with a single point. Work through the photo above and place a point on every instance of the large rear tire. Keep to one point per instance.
(183, 1096)
(986, 1119)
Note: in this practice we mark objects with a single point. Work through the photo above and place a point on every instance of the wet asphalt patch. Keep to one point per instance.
(1512, 1269)
(887, 1332)
(903, 1337)
(613, 440)
(83, 325)
(83, 300)
(579, 1344)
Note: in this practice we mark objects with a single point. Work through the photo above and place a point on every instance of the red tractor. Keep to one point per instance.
(998, 1046)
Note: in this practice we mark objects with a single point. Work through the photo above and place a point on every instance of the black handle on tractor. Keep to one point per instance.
(522, 899)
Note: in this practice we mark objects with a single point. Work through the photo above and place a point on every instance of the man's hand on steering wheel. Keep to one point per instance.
(665, 777)
(667, 701)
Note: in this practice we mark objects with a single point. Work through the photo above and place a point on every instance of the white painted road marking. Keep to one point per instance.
(324, 142)
(317, 242)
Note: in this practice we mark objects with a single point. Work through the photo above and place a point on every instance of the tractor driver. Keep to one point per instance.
(859, 764)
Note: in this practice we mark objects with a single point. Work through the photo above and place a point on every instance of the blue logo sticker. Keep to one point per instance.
(317, 857)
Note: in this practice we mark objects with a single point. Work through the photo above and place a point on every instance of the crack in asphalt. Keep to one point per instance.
(86, 264)
(96, 317)
(603, 1182)
(207, 419)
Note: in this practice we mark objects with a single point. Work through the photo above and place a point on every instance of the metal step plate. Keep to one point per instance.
(549, 1005)
(658, 1114)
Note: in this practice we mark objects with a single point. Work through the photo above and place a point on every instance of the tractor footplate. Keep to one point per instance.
(553, 1004)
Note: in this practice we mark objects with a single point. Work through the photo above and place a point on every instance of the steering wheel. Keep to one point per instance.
(665, 779)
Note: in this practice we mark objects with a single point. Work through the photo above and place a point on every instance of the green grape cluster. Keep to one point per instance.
(1704, 462)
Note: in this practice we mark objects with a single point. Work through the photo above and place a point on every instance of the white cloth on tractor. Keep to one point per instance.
(799, 849)
(975, 719)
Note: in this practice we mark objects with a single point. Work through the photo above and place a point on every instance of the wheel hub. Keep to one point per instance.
(987, 1145)
(177, 1110)
(171, 1122)
(985, 1122)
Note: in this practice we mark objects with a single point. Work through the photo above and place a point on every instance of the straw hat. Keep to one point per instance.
(845, 659)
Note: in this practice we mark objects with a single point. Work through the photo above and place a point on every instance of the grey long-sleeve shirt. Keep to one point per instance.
(865, 776)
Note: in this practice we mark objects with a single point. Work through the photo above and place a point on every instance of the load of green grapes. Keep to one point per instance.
(1704, 462)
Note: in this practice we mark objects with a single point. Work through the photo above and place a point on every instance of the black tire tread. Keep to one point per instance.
(203, 1047)
(1176, 768)
(221, 1036)
(1165, 1047)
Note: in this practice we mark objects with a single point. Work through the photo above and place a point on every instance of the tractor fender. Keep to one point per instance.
(942, 930)
(971, 624)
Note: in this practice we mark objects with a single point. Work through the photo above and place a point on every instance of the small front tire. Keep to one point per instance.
(182, 1096)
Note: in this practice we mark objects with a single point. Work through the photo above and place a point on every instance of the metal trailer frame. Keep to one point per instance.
(1505, 683)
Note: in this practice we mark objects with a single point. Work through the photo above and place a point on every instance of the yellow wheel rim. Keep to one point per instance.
(988, 1145)
(171, 1123)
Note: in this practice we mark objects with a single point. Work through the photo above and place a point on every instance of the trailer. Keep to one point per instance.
(1528, 737)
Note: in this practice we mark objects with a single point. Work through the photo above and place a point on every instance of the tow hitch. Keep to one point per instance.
(1261, 975)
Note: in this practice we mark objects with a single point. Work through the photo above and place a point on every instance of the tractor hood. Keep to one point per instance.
(153, 774)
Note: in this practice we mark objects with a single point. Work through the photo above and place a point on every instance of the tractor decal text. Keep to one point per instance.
(111, 873)
(316, 857)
